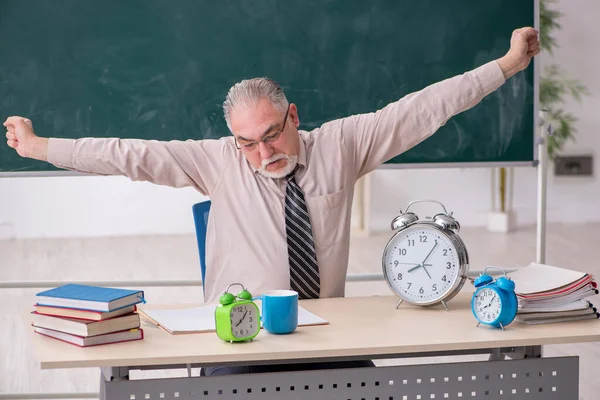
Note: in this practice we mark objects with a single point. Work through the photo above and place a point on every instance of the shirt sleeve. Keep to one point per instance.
(376, 137)
(196, 163)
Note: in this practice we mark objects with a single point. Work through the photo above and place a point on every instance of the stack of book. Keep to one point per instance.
(548, 294)
(88, 315)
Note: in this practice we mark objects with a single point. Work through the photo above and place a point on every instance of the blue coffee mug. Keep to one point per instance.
(279, 311)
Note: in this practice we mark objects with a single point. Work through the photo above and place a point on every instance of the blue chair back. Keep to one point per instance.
(200, 211)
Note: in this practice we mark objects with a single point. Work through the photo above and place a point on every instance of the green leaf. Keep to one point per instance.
(564, 130)
(548, 22)
(554, 87)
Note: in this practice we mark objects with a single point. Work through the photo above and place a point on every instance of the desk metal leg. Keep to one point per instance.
(531, 378)
(110, 374)
(521, 353)
(115, 373)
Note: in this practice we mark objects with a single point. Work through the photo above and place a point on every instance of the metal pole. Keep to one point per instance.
(541, 206)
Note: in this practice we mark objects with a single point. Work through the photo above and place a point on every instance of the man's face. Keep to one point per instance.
(267, 137)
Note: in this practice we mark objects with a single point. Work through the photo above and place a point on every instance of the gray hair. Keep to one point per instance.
(249, 92)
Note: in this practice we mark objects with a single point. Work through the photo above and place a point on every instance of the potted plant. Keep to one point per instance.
(554, 87)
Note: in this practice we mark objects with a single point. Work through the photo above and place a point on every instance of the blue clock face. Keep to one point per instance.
(487, 305)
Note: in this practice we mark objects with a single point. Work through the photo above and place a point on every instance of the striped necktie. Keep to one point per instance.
(304, 270)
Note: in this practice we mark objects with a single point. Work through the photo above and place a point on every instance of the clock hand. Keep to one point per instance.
(426, 271)
(490, 303)
(427, 257)
(419, 266)
(244, 316)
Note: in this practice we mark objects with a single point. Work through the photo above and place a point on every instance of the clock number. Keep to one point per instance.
(444, 278)
(409, 283)
(421, 290)
(402, 252)
(396, 263)
(250, 319)
(445, 252)
(434, 288)
(399, 277)
(449, 265)
(423, 238)
(411, 242)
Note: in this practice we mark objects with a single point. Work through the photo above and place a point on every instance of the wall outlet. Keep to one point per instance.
(574, 165)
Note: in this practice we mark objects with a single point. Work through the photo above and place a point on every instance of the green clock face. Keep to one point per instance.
(244, 321)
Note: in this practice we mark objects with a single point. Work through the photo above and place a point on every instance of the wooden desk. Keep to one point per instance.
(360, 328)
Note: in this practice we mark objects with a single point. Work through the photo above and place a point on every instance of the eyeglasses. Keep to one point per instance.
(268, 138)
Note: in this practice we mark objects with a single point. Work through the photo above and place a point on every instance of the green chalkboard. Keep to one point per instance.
(160, 69)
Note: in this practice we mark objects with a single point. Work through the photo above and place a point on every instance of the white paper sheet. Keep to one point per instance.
(202, 319)
(536, 278)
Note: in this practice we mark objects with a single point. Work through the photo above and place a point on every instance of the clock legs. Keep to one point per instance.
(398, 305)
(443, 303)
(501, 326)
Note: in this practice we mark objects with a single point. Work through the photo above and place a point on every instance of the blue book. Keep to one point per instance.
(94, 298)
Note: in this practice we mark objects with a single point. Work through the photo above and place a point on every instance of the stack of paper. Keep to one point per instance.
(550, 294)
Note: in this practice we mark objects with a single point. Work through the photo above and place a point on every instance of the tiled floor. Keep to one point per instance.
(175, 257)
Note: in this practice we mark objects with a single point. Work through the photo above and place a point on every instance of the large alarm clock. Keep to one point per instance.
(425, 262)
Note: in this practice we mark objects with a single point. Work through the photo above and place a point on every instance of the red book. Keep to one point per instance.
(115, 337)
(77, 313)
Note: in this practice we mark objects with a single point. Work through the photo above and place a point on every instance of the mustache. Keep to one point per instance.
(274, 158)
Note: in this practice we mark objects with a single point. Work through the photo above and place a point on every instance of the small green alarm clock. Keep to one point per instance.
(494, 303)
(237, 318)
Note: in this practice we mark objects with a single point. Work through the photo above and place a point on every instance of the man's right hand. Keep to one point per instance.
(20, 136)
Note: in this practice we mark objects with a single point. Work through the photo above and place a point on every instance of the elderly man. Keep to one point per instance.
(281, 197)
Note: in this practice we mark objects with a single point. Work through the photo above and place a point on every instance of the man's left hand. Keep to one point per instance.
(524, 44)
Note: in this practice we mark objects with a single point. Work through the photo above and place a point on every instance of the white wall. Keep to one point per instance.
(95, 206)
(468, 192)
(79, 206)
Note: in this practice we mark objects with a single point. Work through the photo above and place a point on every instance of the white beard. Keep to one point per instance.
(292, 161)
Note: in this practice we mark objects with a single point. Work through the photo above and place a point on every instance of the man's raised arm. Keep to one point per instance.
(376, 137)
(173, 163)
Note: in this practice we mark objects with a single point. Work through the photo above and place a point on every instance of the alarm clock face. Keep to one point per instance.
(487, 305)
(421, 264)
(244, 320)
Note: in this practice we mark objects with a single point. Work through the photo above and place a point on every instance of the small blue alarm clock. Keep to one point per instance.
(494, 303)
